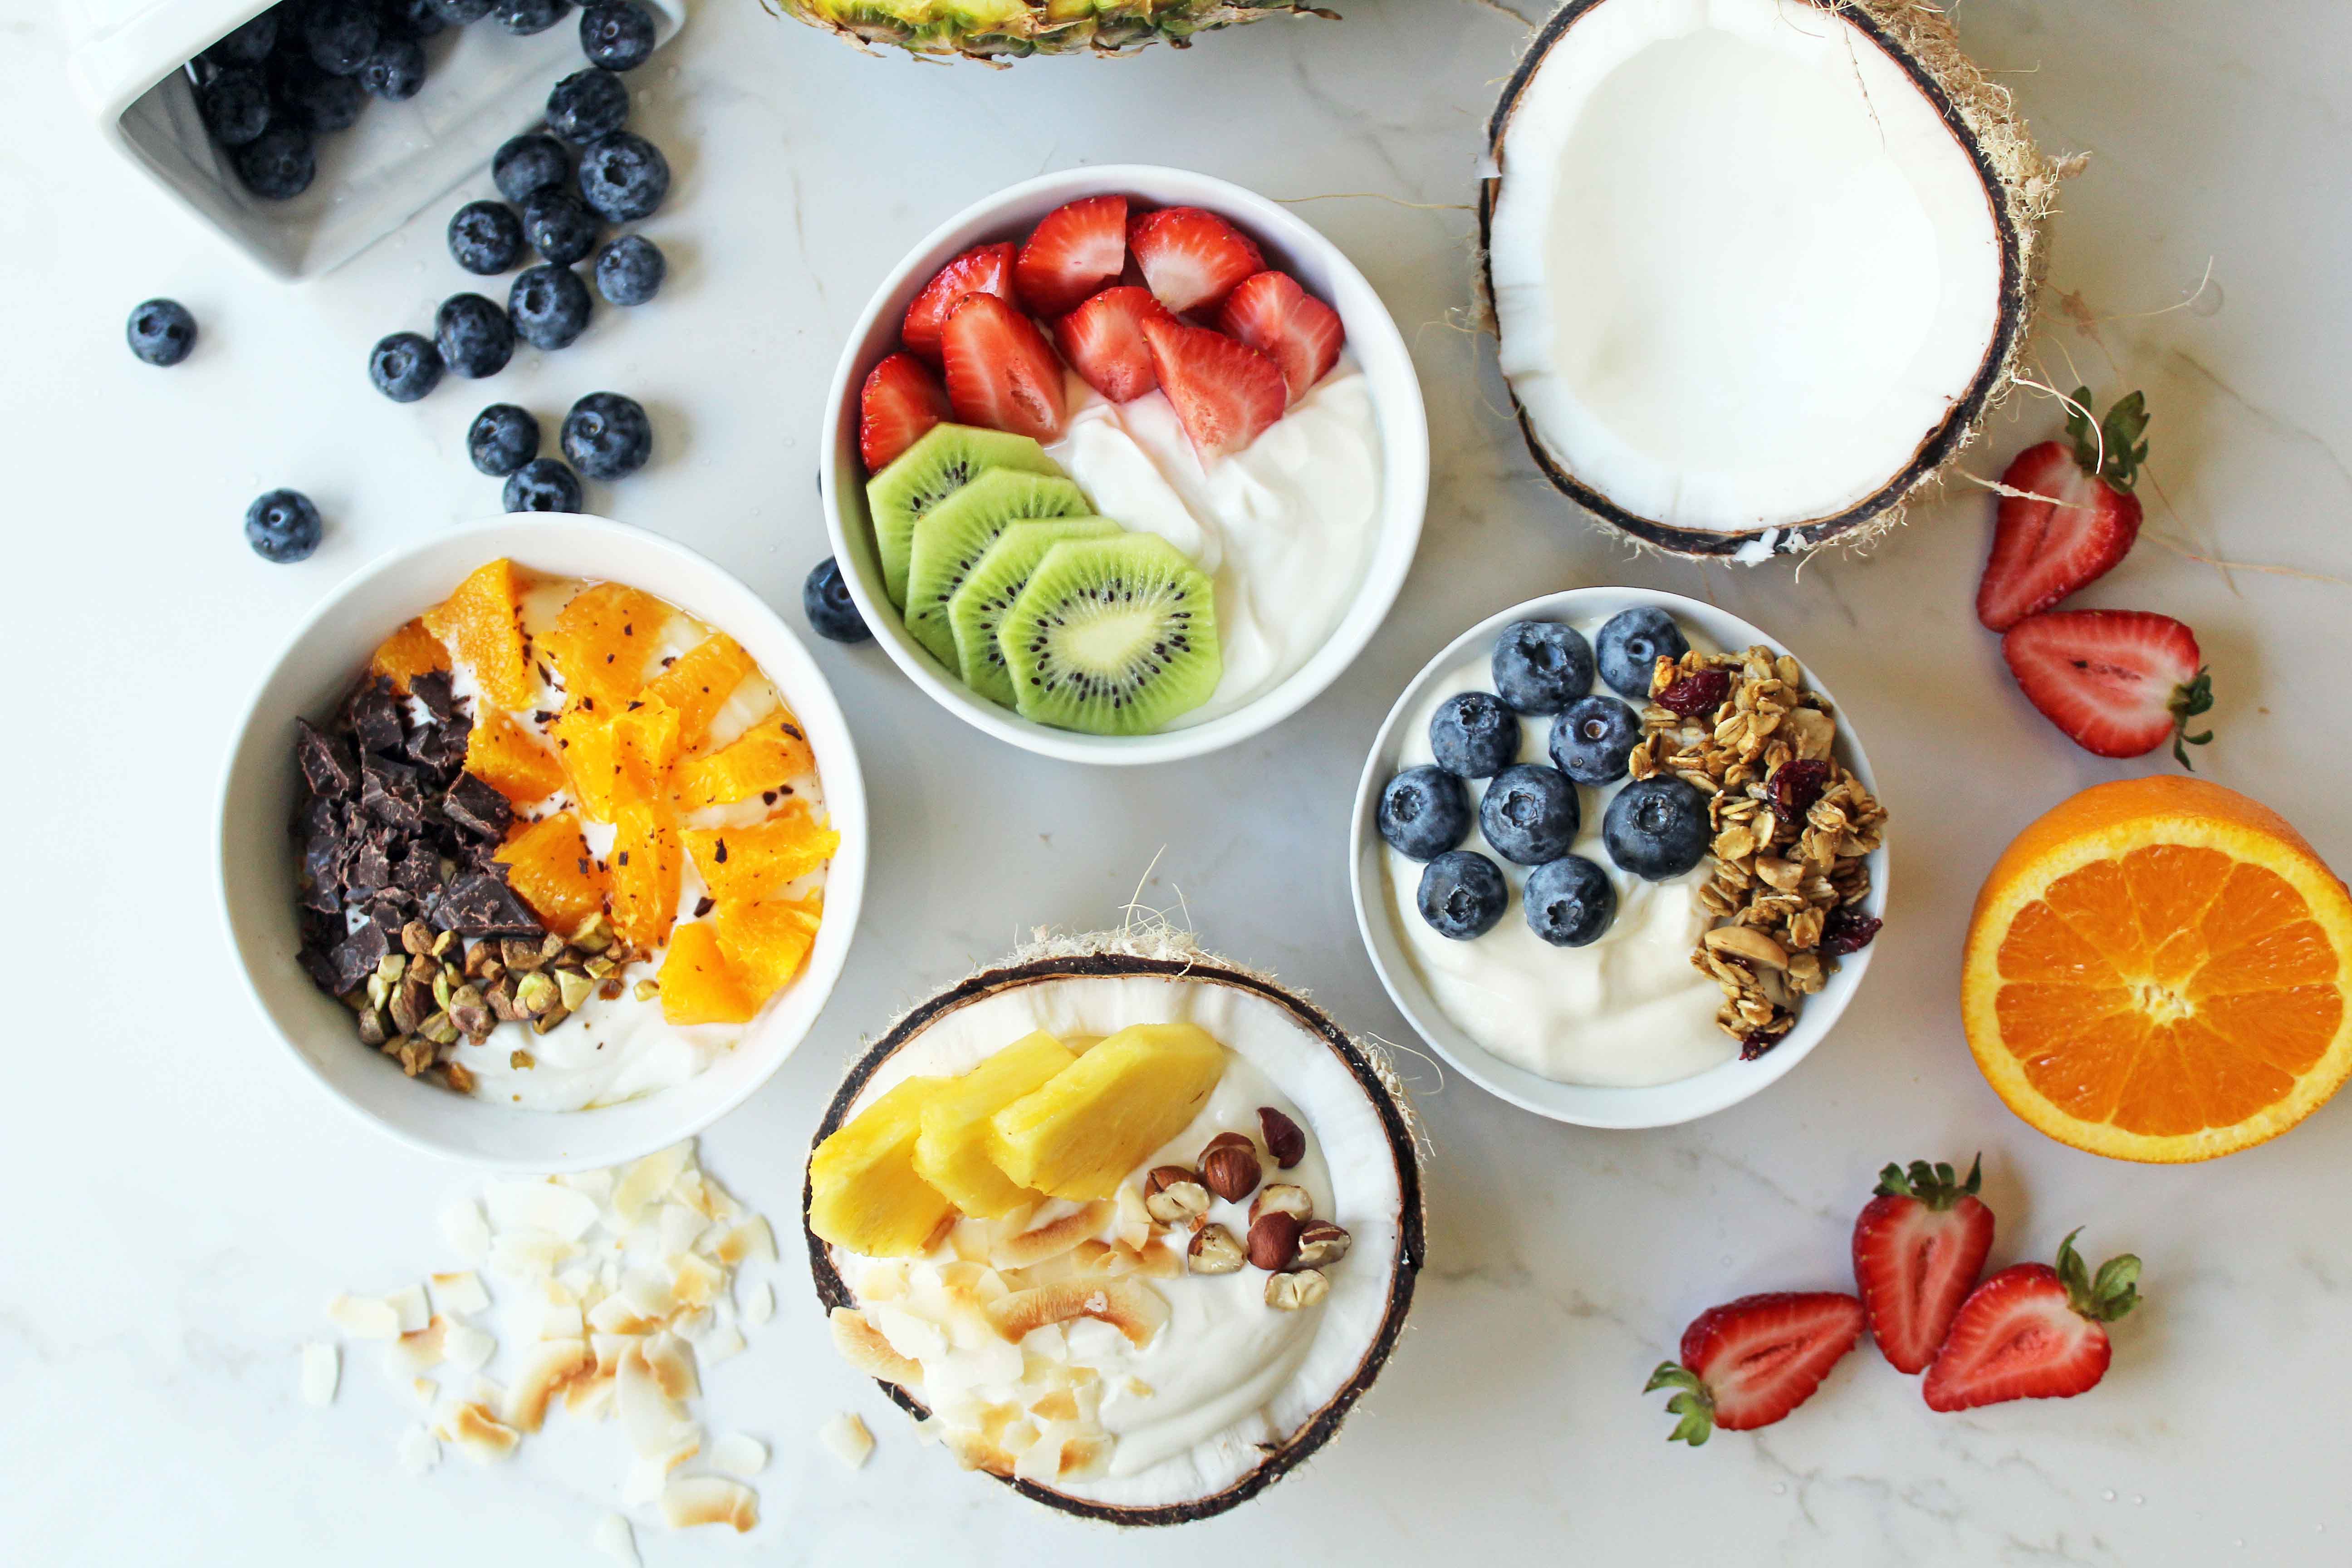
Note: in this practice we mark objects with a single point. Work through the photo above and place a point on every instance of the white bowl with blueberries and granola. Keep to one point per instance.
(1618, 859)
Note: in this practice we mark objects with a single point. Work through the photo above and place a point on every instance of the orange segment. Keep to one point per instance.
(699, 683)
(510, 759)
(2159, 970)
(549, 866)
(591, 756)
(766, 942)
(481, 623)
(602, 642)
(767, 756)
(646, 733)
(408, 653)
(696, 987)
(745, 865)
(643, 874)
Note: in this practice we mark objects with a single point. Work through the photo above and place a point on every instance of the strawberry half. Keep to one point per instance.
(983, 269)
(1226, 393)
(1001, 371)
(1073, 251)
(2119, 682)
(901, 400)
(1750, 1362)
(2079, 519)
(1271, 313)
(1918, 1250)
(1103, 340)
(2032, 1332)
(1191, 258)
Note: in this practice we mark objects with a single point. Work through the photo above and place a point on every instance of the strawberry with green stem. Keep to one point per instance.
(2067, 513)
(2032, 1332)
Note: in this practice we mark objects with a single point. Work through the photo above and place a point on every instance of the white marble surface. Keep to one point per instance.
(182, 1205)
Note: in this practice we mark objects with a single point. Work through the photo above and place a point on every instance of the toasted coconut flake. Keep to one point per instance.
(424, 1391)
(1155, 1258)
(589, 1398)
(861, 1344)
(740, 1454)
(744, 1243)
(672, 1364)
(425, 1349)
(608, 1350)
(529, 1256)
(616, 1540)
(464, 1230)
(649, 1179)
(1135, 1310)
(676, 1228)
(974, 1452)
(619, 1315)
(847, 1440)
(724, 1343)
(366, 1317)
(409, 1304)
(760, 1304)
(915, 1337)
(596, 1184)
(541, 1206)
(883, 1282)
(464, 1345)
(562, 1321)
(480, 1436)
(1052, 1239)
(648, 1418)
(1134, 1219)
(323, 1369)
(547, 1366)
(649, 1293)
(696, 1281)
(690, 1500)
(458, 1295)
(419, 1449)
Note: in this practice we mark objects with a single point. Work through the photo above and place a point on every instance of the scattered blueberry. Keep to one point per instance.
(616, 35)
(608, 436)
(1592, 741)
(1656, 828)
(457, 13)
(404, 366)
(1569, 901)
(310, 98)
(1541, 666)
(283, 526)
(1473, 735)
(587, 104)
(630, 270)
(541, 485)
(548, 306)
(1463, 894)
(624, 177)
(1629, 645)
(486, 237)
(248, 45)
(235, 107)
(278, 164)
(414, 18)
(529, 15)
(339, 35)
(474, 336)
(501, 440)
(528, 163)
(162, 331)
(832, 613)
(558, 225)
(1424, 813)
(394, 69)
(1530, 813)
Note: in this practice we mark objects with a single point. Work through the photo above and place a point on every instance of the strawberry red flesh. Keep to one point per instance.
(1750, 1362)
(2076, 518)
(1073, 252)
(1191, 258)
(2119, 682)
(1001, 371)
(1271, 313)
(1103, 340)
(1918, 1247)
(2032, 1332)
(900, 401)
(1227, 393)
(983, 269)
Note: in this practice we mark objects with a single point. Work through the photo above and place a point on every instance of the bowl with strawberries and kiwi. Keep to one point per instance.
(1125, 464)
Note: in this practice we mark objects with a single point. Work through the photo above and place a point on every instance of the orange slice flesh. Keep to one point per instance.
(2159, 970)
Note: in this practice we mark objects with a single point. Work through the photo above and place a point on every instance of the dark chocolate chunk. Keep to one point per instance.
(431, 688)
(389, 793)
(318, 963)
(356, 956)
(369, 867)
(442, 747)
(418, 874)
(476, 807)
(374, 713)
(479, 904)
(329, 766)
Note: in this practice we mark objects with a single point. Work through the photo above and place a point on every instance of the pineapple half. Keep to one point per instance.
(996, 30)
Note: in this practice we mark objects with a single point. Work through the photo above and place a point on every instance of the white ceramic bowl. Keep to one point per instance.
(1661, 1105)
(1290, 244)
(257, 866)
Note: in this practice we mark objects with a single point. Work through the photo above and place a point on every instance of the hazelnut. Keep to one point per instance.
(1290, 1292)
(1281, 1198)
(1174, 1196)
(1229, 1165)
(1320, 1242)
(1215, 1251)
(1273, 1242)
(1283, 1140)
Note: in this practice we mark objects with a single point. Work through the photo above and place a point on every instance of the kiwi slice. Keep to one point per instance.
(995, 581)
(947, 458)
(1112, 637)
(951, 537)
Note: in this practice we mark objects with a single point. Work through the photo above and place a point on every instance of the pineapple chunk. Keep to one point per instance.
(953, 1153)
(1091, 1123)
(863, 1194)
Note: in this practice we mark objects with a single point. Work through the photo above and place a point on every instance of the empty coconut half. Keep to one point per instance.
(1116, 1322)
(1758, 268)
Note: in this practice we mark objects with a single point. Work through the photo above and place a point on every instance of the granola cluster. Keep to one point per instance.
(1791, 825)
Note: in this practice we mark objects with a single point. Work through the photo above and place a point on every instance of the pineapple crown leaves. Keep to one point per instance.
(2116, 450)
(1693, 1402)
(2105, 1295)
(1934, 1186)
(2189, 700)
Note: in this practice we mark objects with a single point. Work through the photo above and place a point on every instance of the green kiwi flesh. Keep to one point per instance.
(1112, 637)
(946, 458)
(992, 586)
(951, 537)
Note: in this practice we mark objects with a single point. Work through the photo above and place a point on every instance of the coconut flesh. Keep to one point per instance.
(1357, 1126)
(1755, 264)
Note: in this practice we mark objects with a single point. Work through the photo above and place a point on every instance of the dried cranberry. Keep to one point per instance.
(1702, 692)
(1845, 931)
(1795, 786)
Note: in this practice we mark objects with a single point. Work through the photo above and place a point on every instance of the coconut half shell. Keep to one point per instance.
(1167, 956)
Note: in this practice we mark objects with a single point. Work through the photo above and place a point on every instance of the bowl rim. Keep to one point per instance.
(803, 686)
(1405, 464)
(1587, 1105)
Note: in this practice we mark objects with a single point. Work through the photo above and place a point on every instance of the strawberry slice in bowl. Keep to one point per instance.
(1750, 1362)
(1001, 371)
(1226, 393)
(1191, 258)
(1918, 1247)
(2067, 514)
(982, 269)
(1271, 313)
(1073, 252)
(901, 399)
(2119, 682)
(1103, 340)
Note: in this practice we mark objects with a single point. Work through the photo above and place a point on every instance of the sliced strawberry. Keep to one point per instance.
(983, 269)
(1191, 258)
(2076, 520)
(1001, 371)
(1751, 1361)
(1073, 251)
(2032, 1332)
(1224, 392)
(1918, 1250)
(1269, 312)
(901, 400)
(2119, 682)
(1103, 340)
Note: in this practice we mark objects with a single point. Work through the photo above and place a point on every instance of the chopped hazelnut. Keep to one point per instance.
(1291, 1292)
(1320, 1242)
(1284, 1140)
(1281, 1198)
(1174, 1196)
(1215, 1251)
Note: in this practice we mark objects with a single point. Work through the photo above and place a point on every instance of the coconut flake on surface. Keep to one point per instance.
(690, 1500)
(539, 1205)
(847, 1440)
(460, 1295)
(322, 1367)
(760, 1305)
(364, 1317)
(740, 1455)
(463, 1228)
(616, 1540)
(467, 1347)
(408, 1303)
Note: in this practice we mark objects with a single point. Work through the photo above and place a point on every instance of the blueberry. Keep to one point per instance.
(235, 105)
(1569, 901)
(484, 238)
(457, 13)
(529, 15)
(283, 526)
(1629, 645)
(414, 18)
(474, 336)
(1541, 666)
(630, 270)
(1424, 813)
(501, 440)
(312, 98)
(277, 164)
(339, 35)
(541, 485)
(587, 104)
(1463, 894)
(558, 225)
(608, 436)
(548, 306)
(404, 366)
(1472, 735)
(394, 69)
(1590, 742)
(624, 177)
(616, 35)
(162, 331)
(1530, 813)
(248, 45)
(1656, 828)
(832, 613)
(528, 163)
